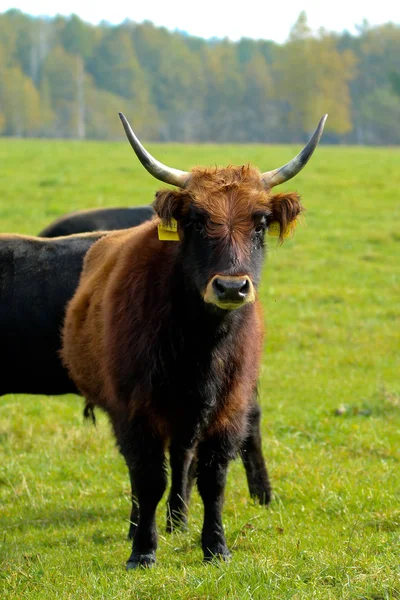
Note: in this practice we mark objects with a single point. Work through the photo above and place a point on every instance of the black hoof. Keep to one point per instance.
(214, 557)
(264, 497)
(146, 561)
(261, 492)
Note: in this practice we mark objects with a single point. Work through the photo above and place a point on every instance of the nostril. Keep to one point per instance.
(219, 287)
(245, 288)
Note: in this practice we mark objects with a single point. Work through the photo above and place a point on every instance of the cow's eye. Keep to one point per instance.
(198, 226)
(260, 226)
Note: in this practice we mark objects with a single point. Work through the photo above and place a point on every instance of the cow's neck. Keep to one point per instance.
(195, 358)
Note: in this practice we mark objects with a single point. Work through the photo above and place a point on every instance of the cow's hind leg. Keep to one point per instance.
(253, 460)
(177, 505)
(192, 475)
(144, 455)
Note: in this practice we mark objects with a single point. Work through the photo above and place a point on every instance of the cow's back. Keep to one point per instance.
(99, 219)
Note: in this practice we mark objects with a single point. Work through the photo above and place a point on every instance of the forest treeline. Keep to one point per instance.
(62, 77)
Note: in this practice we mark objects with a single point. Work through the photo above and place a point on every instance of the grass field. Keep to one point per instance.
(330, 393)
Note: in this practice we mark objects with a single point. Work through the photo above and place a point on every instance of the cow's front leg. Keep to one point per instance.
(177, 505)
(144, 455)
(212, 468)
(134, 518)
(253, 460)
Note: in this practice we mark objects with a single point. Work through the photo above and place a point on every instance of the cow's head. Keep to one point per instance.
(223, 215)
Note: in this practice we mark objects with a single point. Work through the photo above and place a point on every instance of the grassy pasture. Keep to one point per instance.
(330, 392)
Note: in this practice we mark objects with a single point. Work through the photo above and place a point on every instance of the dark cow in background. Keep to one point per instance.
(166, 336)
(37, 279)
(98, 219)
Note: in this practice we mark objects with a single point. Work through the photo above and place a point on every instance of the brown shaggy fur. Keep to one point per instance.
(126, 341)
(124, 284)
(105, 342)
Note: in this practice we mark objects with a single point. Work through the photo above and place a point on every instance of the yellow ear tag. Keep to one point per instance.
(168, 232)
(275, 229)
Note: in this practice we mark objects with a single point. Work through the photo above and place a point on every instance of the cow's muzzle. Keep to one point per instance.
(229, 292)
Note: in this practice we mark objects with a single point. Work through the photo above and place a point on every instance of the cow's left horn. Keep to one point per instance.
(153, 166)
(277, 176)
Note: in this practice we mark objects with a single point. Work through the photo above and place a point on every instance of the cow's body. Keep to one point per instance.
(98, 219)
(168, 374)
(122, 218)
(37, 279)
(155, 342)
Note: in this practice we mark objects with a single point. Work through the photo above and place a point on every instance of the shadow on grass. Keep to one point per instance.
(59, 520)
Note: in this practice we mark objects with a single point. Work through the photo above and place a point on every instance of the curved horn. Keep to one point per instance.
(277, 176)
(153, 166)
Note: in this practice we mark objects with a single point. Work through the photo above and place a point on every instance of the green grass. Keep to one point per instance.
(330, 392)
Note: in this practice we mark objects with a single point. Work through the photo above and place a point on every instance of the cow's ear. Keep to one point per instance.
(171, 204)
(285, 208)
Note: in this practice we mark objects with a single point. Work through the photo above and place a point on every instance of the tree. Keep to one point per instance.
(394, 78)
(260, 120)
(224, 90)
(2, 99)
(77, 37)
(59, 71)
(117, 70)
(21, 103)
(380, 111)
(47, 116)
(175, 76)
(313, 78)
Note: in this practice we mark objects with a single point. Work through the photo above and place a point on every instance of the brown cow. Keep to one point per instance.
(166, 336)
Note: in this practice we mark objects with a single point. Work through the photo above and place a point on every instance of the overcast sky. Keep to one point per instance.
(222, 18)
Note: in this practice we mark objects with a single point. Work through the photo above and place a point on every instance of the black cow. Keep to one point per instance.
(37, 279)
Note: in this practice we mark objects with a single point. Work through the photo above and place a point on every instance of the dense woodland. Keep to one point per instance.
(62, 77)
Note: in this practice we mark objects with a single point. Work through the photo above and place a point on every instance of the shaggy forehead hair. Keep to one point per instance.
(227, 198)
